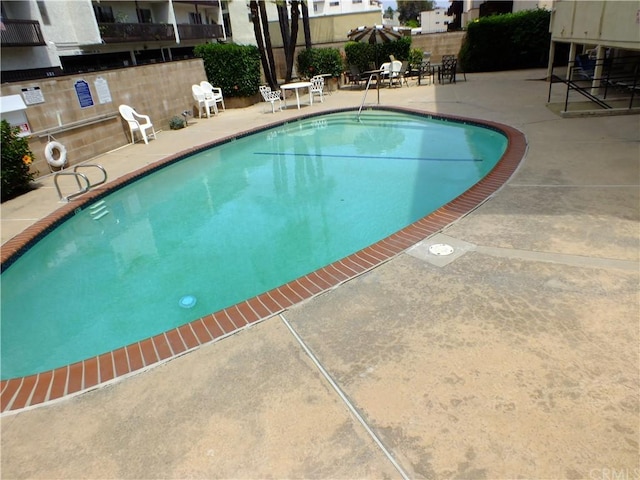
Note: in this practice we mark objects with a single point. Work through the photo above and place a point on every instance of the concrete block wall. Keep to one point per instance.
(160, 91)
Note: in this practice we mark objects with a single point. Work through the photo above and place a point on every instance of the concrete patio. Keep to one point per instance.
(517, 357)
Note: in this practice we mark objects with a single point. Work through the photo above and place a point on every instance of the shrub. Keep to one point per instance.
(523, 37)
(233, 68)
(16, 159)
(176, 123)
(363, 54)
(320, 60)
(415, 56)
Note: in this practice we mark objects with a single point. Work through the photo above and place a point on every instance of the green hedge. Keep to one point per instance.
(320, 60)
(363, 54)
(507, 42)
(234, 68)
(16, 158)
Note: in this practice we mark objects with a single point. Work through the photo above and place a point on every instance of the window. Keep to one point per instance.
(144, 15)
(195, 18)
(357, 1)
(226, 20)
(334, 4)
(104, 14)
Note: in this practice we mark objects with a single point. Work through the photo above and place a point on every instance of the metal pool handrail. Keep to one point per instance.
(371, 75)
(77, 175)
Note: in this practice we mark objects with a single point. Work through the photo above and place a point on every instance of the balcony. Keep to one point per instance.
(21, 33)
(135, 32)
(199, 32)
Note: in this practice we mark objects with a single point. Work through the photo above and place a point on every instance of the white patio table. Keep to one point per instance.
(296, 86)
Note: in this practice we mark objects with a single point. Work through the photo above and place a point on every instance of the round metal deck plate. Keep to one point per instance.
(441, 249)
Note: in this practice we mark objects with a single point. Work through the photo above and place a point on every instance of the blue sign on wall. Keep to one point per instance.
(83, 93)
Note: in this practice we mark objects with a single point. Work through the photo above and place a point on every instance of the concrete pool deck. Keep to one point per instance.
(518, 358)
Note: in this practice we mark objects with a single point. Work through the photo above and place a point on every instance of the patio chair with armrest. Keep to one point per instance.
(213, 92)
(271, 96)
(317, 86)
(137, 123)
(405, 72)
(354, 75)
(395, 72)
(447, 70)
(200, 97)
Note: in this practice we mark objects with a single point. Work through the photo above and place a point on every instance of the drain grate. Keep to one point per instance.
(441, 249)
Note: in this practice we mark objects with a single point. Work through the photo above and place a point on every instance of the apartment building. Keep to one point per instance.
(435, 21)
(45, 38)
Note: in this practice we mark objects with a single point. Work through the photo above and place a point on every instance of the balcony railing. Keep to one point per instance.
(20, 33)
(135, 32)
(197, 32)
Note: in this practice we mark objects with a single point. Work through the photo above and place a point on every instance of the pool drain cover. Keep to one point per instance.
(441, 249)
(188, 301)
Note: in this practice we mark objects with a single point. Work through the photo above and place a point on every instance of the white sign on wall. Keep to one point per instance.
(102, 89)
(32, 95)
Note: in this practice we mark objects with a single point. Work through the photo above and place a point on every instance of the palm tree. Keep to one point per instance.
(288, 31)
(305, 24)
(266, 53)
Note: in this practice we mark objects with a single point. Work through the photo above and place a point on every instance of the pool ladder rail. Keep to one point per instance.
(78, 175)
(373, 74)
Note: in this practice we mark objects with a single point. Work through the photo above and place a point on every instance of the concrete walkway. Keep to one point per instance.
(518, 358)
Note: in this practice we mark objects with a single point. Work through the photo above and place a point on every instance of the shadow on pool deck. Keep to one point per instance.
(517, 358)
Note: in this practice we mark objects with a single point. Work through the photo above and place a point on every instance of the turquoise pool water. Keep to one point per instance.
(227, 224)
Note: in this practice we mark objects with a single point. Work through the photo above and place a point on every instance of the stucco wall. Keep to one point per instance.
(160, 91)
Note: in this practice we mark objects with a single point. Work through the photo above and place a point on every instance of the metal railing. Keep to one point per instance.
(77, 175)
(364, 97)
(196, 32)
(21, 33)
(598, 79)
(135, 32)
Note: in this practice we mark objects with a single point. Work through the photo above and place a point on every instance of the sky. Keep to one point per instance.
(394, 5)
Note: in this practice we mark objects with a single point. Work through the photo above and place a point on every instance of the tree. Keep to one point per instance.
(263, 39)
(410, 9)
(288, 31)
(305, 24)
(389, 13)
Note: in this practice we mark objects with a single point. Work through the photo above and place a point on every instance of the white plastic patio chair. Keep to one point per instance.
(271, 96)
(317, 86)
(203, 102)
(213, 92)
(137, 123)
(395, 71)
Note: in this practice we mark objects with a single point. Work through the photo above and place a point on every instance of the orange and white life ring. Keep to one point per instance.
(51, 157)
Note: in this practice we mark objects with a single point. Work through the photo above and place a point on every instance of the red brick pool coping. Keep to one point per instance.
(86, 375)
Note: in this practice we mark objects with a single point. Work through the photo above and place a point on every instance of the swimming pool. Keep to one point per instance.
(318, 171)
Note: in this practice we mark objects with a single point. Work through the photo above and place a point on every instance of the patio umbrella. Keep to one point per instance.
(375, 34)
